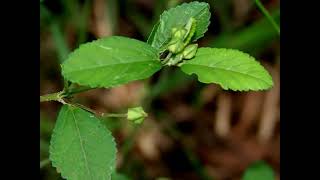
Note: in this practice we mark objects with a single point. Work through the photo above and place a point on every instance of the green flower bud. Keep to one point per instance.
(175, 60)
(136, 115)
(178, 33)
(176, 44)
(190, 51)
(177, 47)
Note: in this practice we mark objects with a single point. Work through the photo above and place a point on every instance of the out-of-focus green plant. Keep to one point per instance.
(259, 171)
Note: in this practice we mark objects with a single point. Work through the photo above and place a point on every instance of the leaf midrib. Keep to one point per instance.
(105, 65)
(214, 67)
(81, 144)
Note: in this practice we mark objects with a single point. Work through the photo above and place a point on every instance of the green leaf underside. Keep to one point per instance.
(153, 32)
(231, 69)
(259, 170)
(81, 148)
(110, 62)
(177, 18)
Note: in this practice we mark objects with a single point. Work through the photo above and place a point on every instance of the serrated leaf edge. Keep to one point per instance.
(239, 90)
(93, 85)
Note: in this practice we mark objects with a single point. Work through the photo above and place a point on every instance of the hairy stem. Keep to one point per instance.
(115, 115)
(52, 97)
(167, 58)
(103, 115)
(58, 96)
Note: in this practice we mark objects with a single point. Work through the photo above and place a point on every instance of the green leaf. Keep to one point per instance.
(259, 170)
(153, 32)
(178, 17)
(110, 62)
(81, 148)
(232, 69)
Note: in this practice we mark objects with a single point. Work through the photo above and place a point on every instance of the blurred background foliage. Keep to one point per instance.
(194, 130)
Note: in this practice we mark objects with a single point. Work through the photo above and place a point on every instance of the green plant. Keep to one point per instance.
(81, 147)
(259, 170)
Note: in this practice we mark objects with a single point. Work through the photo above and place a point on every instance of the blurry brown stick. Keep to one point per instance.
(270, 111)
(209, 93)
(250, 112)
(102, 25)
(223, 115)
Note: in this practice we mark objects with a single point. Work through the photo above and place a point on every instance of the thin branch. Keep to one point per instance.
(103, 115)
(115, 115)
(268, 16)
(58, 96)
(52, 97)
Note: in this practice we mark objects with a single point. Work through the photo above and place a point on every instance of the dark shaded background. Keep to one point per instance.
(194, 130)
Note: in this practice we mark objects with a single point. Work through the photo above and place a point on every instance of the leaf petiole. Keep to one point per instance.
(115, 115)
(52, 97)
(167, 58)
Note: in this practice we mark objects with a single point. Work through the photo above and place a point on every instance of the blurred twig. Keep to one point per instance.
(251, 39)
(59, 41)
(105, 17)
(270, 111)
(268, 16)
(78, 15)
(44, 162)
(222, 118)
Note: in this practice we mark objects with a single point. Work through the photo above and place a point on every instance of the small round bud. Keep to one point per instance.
(190, 51)
(178, 33)
(176, 47)
(176, 44)
(136, 115)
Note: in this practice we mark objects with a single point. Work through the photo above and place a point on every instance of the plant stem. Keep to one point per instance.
(103, 115)
(167, 58)
(44, 162)
(52, 97)
(268, 16)
(58, 96)
(115, 115)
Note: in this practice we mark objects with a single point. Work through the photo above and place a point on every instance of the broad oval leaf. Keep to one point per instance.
(178, 17)
(81, 148)
(259, 170)
(111, 61)
(232, 69)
